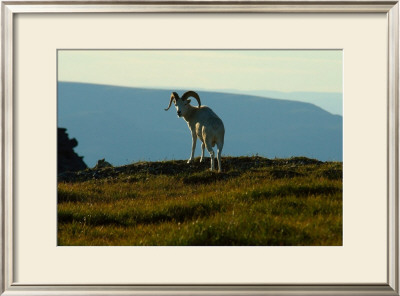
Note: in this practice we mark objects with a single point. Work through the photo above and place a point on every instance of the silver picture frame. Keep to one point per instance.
(9, 10)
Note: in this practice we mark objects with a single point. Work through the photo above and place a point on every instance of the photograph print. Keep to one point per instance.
(199, 147)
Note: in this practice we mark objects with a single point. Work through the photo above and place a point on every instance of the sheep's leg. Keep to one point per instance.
(211, 151)
(219, 151)
(194, 139)
(202, 151)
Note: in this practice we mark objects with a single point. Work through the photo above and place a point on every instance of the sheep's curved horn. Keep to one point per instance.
(175, 96)
(193, 94)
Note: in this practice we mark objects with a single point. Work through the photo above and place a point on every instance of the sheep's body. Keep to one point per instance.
(203, 124)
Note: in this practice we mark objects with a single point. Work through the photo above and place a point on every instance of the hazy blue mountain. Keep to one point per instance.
(331, 102)
(124, 125)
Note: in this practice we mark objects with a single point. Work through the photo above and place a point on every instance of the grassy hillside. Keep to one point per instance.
(255, 201)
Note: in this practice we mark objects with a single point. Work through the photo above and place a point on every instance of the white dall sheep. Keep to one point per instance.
(203, 124)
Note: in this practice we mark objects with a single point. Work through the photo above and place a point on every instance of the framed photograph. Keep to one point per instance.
(291, 189)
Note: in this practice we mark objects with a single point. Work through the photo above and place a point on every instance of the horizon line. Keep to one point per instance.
(202, 89)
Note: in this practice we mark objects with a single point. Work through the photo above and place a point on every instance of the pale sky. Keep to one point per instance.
(273, 70)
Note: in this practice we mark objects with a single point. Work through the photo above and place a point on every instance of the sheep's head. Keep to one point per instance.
(182, 104)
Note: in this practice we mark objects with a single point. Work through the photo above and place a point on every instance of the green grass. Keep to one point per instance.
(255, 201)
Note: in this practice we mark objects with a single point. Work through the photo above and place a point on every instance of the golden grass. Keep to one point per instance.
(278, 204)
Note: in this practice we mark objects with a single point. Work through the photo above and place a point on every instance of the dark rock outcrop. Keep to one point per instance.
(68, 160)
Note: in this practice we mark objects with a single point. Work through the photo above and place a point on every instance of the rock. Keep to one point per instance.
(102, 163)
(67, 159)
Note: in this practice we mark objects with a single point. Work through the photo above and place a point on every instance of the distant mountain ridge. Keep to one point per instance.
(329, 101)
(124, 125)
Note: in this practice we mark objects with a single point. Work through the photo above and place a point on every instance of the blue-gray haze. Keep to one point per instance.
(124, 125)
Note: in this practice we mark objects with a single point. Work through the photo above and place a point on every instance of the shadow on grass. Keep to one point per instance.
(291, 190)
(131, 217)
